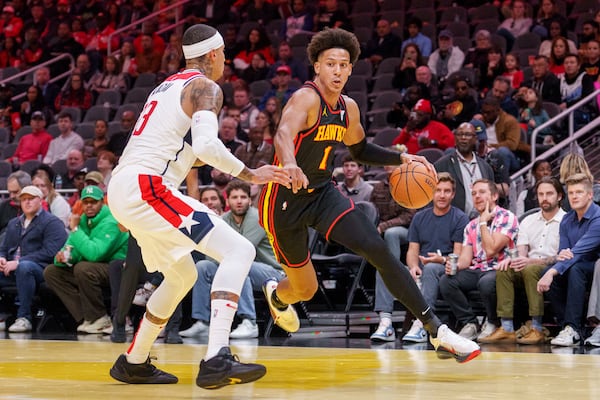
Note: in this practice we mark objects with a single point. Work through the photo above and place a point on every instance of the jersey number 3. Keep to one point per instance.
(143, 120)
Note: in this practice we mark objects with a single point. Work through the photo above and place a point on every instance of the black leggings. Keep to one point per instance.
(355, 232)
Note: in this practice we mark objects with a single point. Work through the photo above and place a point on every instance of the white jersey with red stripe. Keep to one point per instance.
(143, 192)
(160, 143)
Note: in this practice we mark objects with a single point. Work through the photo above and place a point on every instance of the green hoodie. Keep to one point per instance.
(97, 239)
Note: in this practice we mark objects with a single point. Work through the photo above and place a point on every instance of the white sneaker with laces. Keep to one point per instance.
(594, 339)
(98, 325)
(567, 337)
(21, 325)
(416, 333)
(197, 329)
(486, 330)
(385, 332)
(286, 319)
(469, 331)
(448, 344)
(247, 329)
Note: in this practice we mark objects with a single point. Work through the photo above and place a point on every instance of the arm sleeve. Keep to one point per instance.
(208, 147)
(369, 153)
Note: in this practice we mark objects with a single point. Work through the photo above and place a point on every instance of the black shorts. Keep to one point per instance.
(286, 217)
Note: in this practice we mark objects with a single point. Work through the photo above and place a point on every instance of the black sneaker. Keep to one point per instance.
(226, 369)
(139, 373)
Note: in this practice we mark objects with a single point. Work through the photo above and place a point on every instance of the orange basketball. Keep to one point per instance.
(412, 185)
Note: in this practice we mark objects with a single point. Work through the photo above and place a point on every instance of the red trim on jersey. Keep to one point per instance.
(298, 139)
(162, 200)
(338, 218)
(182, 75)
(300, 136)
(315, 87)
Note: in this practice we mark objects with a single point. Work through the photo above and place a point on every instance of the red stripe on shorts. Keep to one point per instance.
(162, 200)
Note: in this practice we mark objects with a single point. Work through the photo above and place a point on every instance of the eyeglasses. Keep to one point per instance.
(465, 135)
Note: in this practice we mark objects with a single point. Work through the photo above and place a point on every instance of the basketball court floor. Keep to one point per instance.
(76, 367)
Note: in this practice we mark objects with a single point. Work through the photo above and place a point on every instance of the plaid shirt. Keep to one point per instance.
(504, 222)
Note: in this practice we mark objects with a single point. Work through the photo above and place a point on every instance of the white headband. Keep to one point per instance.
(201, 48)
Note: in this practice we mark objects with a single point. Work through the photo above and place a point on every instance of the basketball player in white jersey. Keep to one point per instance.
(177, 127)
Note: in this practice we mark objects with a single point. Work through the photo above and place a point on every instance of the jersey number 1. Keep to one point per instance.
(146, 112)
(323, 164)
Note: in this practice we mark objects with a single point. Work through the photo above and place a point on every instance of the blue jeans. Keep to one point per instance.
(395, 237)
(567, 293)
(259, 272)
(430, 283)
(27, 277)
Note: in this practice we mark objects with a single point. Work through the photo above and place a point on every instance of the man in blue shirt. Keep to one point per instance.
(566, 281)
(415, 36)
(32, 239)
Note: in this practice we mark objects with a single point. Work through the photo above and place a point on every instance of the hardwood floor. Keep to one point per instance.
(69, 366)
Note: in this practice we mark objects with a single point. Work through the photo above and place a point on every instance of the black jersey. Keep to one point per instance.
(315, 146)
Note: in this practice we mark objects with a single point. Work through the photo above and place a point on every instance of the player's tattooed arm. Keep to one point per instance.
(203, 94)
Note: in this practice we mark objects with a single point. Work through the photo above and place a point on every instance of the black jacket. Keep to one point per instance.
(451, 164)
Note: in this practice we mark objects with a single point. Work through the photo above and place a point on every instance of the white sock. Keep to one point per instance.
(142, 341)
(222, 313)
(385, 318)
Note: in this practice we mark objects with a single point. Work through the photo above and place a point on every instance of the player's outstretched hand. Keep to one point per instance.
(297, 177)
(408, 158)
(271, 173)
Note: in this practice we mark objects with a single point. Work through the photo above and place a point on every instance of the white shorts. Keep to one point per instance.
(167, 224)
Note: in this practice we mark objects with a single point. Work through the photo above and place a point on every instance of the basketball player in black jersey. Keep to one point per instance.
(314, 121)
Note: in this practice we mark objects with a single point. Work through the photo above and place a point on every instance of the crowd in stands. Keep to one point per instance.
(473, 88)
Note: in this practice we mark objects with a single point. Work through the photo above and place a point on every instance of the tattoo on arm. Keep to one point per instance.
(222, 295)
(205, 95)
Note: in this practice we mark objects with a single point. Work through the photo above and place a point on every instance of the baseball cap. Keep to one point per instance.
(92, 192)
(63, 2)
(8, 9)
(446, 33)
(284, 69)
(37, 115)
(94, 176)
(480, 130)
(82, 171)
(32, 191)
(423, 106)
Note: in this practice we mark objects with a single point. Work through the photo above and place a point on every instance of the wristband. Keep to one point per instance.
(482, 223)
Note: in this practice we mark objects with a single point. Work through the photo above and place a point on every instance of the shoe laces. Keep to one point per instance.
(149, 362)
(232, 357)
